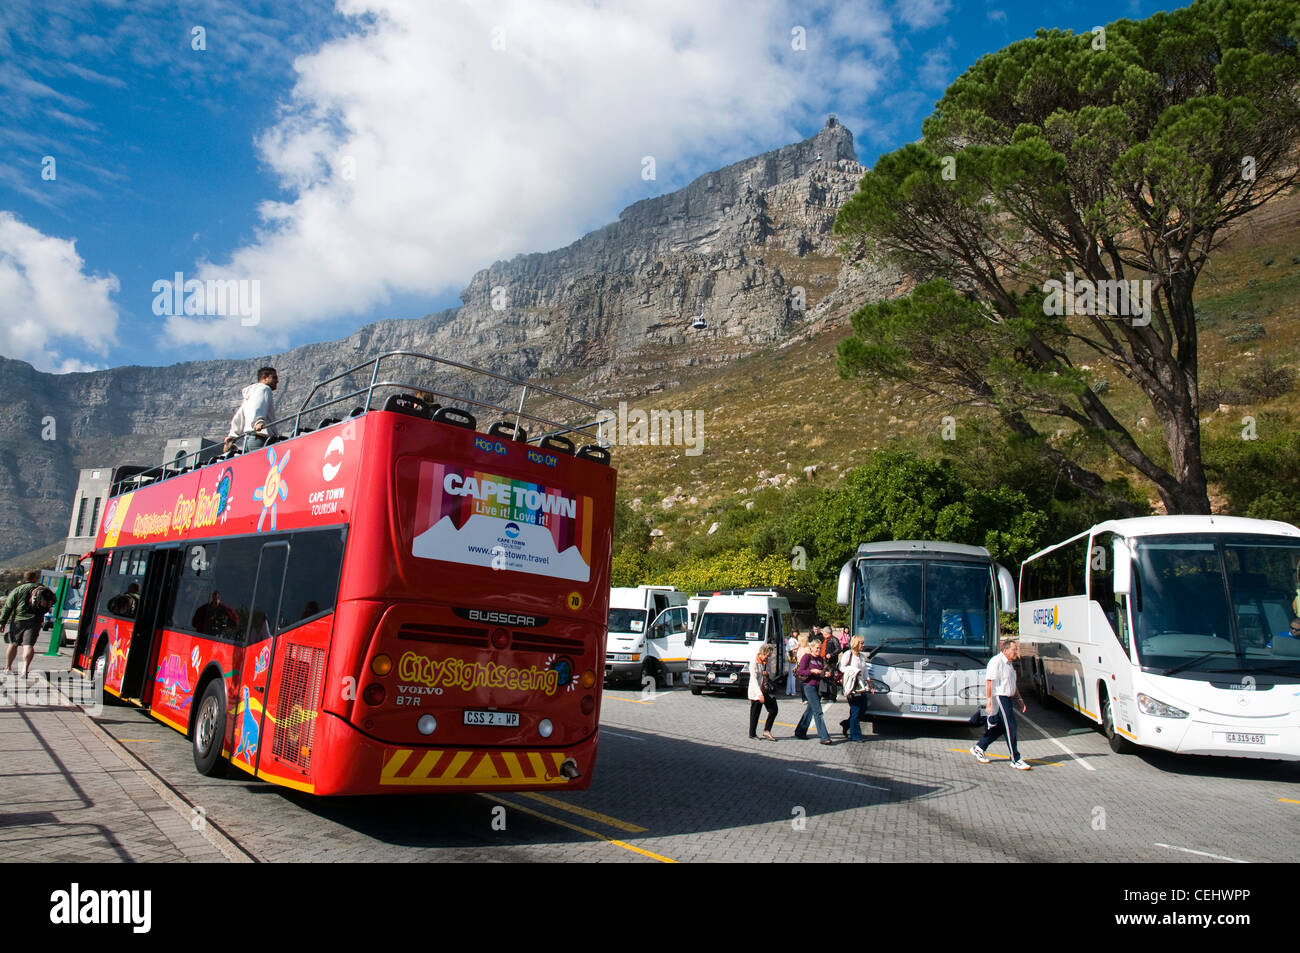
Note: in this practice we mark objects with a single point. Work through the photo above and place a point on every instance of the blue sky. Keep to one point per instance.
(358, 160)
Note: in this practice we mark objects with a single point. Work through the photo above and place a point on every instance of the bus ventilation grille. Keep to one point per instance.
(295, 710)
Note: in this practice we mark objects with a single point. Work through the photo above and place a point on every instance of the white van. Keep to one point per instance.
(647, 634)
(731, 628)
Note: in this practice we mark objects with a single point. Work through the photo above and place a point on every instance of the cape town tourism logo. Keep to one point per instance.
(274, 487)
(473, 517)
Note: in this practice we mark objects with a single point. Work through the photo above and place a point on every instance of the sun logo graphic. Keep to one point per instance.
(274, 489)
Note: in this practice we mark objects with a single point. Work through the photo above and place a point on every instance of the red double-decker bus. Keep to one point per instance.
(387, 601)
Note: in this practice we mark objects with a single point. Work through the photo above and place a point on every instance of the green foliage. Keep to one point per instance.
(1103, 160)
(1261, 478)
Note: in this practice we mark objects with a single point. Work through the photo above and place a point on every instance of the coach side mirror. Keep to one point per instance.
(845, 586)
(1006, 589)
(1123, 568)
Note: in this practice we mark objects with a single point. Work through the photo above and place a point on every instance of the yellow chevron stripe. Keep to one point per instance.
(485, 772)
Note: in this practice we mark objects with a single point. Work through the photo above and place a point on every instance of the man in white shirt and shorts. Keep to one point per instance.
(1001, 691)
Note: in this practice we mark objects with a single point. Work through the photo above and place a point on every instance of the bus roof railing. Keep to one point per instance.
(588, 423)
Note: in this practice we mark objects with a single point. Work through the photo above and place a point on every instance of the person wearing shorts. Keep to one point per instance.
(24, 623)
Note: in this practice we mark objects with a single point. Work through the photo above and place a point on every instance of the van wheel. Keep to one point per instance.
(1118, 743)
(697, 689)
(209, 731)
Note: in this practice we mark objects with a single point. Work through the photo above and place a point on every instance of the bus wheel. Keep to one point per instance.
(1117, 742)
(99, 674)
(210, 730)
(1043, 696)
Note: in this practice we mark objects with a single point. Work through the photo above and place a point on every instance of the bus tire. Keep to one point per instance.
(1041, 692)
(209, 730)
(99, 674)
(1117, 742)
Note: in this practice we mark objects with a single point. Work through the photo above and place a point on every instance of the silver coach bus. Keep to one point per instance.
(928, 615)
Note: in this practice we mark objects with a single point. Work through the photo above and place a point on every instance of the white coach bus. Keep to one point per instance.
(1174, 632)
(928, 616)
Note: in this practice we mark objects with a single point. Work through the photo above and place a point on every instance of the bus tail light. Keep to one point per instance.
(427, 724)
(374, 694)
(588, 705)
(381, 665)
(588, 679)
(500, 639)
(544, 728)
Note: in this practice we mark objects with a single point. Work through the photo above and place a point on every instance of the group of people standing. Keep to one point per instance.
(821, 664)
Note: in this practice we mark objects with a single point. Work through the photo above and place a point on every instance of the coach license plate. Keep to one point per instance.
(1235, 738)
(494, 719)
(925, 709)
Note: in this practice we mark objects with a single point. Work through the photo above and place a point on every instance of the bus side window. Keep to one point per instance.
(122, 583)
(1101, 585)
(311, 583)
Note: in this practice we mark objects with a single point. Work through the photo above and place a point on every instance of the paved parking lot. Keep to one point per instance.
(677, 780)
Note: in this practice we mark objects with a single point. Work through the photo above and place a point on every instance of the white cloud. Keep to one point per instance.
(46, 297)
(463, 153)
(923, 14)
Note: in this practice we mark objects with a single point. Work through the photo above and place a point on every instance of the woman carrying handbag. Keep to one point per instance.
(857, 687)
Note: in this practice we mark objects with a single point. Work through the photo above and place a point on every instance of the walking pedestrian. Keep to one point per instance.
(812, 668)
(24, 609)
(762, 692)
(857, 687)
(1001, 690)
(792, 659)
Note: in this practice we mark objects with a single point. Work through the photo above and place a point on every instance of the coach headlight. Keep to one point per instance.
(1151, 706)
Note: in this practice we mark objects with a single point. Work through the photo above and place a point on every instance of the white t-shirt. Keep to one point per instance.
(1002, 674)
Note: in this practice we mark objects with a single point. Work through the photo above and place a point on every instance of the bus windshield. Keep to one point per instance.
(733, 627)
(1221, 604)
(924, 604)
(627, 620)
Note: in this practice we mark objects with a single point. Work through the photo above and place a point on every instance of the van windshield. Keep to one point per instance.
(733, 627)
(627, 620)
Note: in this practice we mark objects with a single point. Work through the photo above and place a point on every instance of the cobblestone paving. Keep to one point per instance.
(677, 779)
(69, 797)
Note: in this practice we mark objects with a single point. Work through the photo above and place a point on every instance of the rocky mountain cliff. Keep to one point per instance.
(749, 247)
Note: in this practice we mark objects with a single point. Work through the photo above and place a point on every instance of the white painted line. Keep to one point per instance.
(1042, 731)
(1201, 853)
(826, 777)
(619, 734)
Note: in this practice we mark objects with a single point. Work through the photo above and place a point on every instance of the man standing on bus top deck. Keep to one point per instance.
(1001, 690)
(257, 410)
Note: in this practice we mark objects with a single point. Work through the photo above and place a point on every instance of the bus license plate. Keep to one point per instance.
(498, 719)
(925, 709)
(1235, 738)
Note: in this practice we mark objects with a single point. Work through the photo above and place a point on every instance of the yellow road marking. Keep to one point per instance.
(634, 701)
(583, 812)
(1003, 757)
(1287, 800)
(581, 830)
